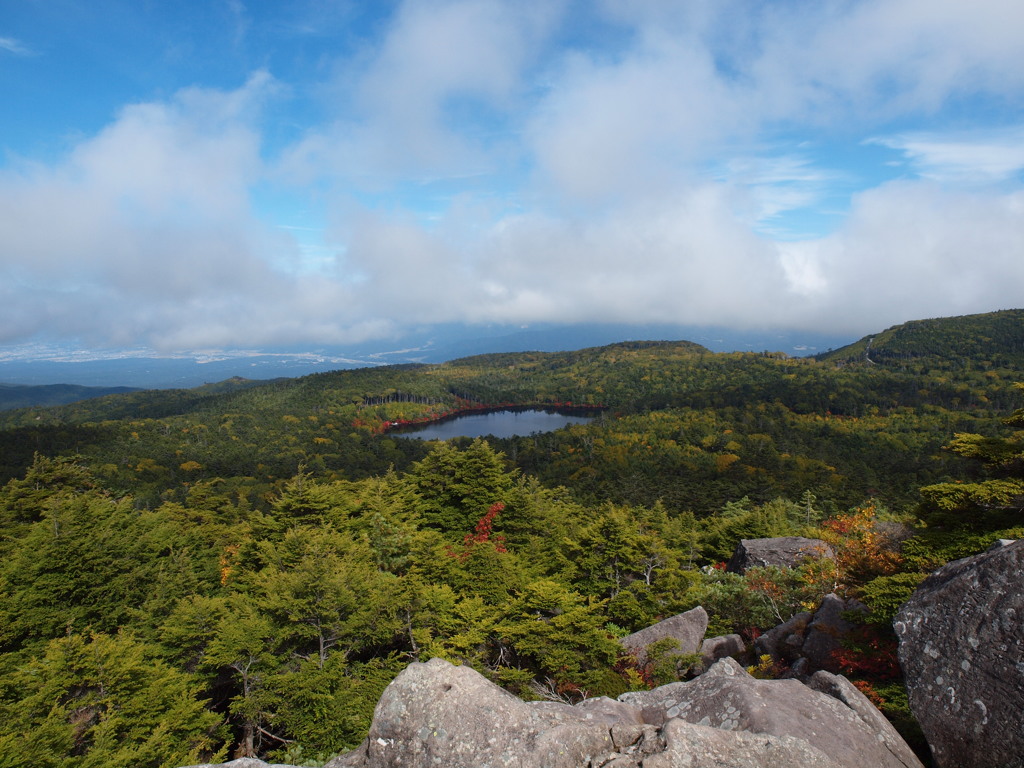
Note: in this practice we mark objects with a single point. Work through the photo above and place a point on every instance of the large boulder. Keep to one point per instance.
(783, 642)
(962, 653)
(841, 689)
(697, 746)
(243, 762)
(715, 648)
(781, 551)
(436, 714)
(439, 714)
(726, 697)
(807, 642)
(687, 629)
(827, 630)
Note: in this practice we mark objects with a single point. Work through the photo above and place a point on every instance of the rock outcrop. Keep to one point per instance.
(962, 652)
(243, 762)
(782, 551)
(728, 698)
(715, 648)
(687, 629)
(438, 714)
(806, 642)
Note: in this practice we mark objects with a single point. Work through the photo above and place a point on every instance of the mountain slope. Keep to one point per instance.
(25, 396)
(992, 339)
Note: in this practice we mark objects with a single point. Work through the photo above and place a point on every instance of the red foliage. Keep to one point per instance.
(750, 634)
(868, 690)
(869, 654)
(862, 553)
(482, 534)
(627, 663)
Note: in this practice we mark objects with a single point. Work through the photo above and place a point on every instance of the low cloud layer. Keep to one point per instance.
(480, 161)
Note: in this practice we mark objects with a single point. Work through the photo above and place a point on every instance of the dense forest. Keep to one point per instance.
(241, 569)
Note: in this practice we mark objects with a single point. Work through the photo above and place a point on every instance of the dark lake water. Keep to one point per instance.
(497, 423)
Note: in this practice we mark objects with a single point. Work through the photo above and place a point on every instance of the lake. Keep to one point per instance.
(507, 423)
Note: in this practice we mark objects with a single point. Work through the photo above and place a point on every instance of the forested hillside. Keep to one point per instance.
(242, 569)
(25, 396)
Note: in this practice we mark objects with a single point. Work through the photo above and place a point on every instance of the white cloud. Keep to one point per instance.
(11, 45)
(977, 157)
(145, 225)
(631, 181)
(914, 249)
(880, 59)
(418, 106)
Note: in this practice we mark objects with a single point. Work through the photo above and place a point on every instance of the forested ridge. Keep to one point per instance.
(241, 569)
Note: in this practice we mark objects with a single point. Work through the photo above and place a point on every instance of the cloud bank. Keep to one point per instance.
(480, 161)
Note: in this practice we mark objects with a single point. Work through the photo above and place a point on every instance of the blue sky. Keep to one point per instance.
(227, 174)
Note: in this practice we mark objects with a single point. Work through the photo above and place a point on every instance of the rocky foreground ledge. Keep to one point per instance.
(961, 649)
(438, 714)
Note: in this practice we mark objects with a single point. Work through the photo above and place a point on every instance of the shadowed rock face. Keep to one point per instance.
(781, 551)
(962, 652)
(715, 648)
(807, 641)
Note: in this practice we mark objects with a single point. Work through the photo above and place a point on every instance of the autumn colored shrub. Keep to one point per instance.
(483, 533)
(868, 652)
(863, 552)
(767, 668)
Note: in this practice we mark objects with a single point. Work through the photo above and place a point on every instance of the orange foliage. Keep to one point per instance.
(227, 558)
(862, 552)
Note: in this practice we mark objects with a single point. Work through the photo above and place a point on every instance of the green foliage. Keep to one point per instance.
(666, 664)
(455, 487)
(761, 598)
(327, 709)
(245, 568)
(560, 637)
(996, 499)
(885, 594)
(100, 701)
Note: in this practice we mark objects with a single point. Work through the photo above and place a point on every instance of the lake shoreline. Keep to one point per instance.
(564, 409)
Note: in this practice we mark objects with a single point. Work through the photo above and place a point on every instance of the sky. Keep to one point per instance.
(241, 174)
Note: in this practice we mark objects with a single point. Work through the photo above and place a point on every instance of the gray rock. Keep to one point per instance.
(962, 653)
(782, 551)
(609, 711)
(729, 699)
(436, 714)
(825, 633)
(685, 628)
(715, 648)
(1001, 543)
(838, 687)
(891, 535)
(243, 762)
(784, 641)
(439, 714)
(808, 641)
(697, 746)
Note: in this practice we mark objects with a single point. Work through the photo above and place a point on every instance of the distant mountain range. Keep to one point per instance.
(50, 364)
(997, 337)
(24, 396)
